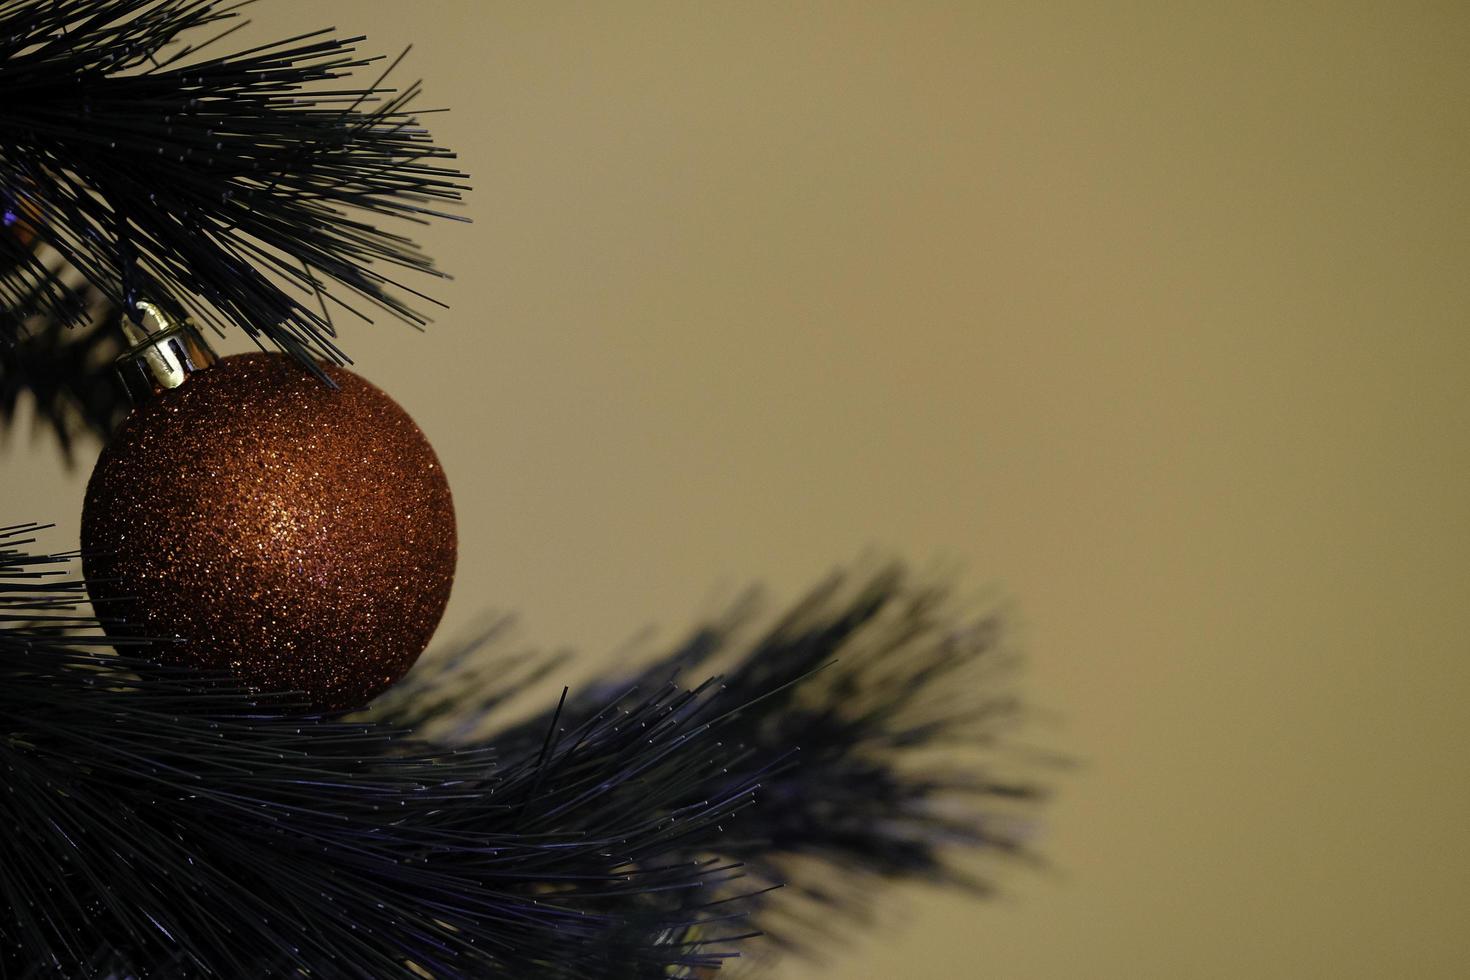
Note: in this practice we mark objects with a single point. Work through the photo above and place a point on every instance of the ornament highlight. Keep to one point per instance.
(252, 519)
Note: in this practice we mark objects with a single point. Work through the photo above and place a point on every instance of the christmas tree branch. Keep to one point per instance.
(241, 188)
(861, 699)
(169, 825)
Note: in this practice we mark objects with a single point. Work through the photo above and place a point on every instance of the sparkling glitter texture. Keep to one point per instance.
(299, 537)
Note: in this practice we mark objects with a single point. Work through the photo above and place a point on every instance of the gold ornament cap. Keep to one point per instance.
(165, 350)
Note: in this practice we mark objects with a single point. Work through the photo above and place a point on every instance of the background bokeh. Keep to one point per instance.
(1150, 316)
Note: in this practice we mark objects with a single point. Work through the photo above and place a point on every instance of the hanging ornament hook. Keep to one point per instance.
(164, 351)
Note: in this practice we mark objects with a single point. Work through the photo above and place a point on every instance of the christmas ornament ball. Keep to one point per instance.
(257, 521)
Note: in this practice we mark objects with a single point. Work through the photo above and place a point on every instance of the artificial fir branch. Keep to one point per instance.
(870, 689)
(242, 188)
(164, 825)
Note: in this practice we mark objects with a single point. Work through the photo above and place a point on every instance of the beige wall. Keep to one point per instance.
(1152, 315)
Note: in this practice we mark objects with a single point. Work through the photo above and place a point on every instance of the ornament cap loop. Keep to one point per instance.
(165, 351)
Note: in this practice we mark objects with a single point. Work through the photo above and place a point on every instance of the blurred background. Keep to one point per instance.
(1150, 317)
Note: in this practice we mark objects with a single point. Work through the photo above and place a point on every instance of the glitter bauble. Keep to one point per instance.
(257, 521)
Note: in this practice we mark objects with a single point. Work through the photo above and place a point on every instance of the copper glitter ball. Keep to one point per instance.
(256, 521)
